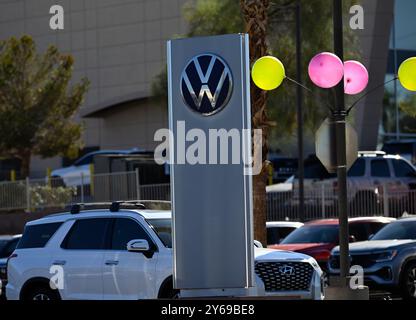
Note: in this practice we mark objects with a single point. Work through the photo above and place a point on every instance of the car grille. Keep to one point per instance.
(362, 260)
(285, 276)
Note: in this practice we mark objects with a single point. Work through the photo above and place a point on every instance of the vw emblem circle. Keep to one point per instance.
(206, 84)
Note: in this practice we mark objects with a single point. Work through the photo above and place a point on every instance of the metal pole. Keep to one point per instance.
(27, 194)
(300, 117)
(138, 184)
(396, 105)
(323, 200)
(340, 141)
(82, 187)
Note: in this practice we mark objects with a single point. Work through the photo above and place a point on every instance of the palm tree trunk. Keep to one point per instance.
(25, 157)
(255, 16)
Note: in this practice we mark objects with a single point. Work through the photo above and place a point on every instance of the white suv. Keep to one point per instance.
(125, 253)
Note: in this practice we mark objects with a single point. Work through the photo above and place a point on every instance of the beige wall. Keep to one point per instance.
(133, 125)
(119, 45)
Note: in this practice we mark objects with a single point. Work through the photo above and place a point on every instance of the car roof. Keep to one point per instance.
(350, 220)
(64, 216)
(410, 218)
(294, 224)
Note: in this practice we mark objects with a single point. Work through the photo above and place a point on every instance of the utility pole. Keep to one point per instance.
(300, 116)
(339, 117)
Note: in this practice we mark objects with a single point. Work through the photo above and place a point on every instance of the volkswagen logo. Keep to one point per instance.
(206, 84)
(287, 270)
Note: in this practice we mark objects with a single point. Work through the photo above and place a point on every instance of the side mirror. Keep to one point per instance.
(258, 244)
(138, 245)
(352, 238)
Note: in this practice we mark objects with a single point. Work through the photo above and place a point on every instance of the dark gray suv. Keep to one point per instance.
(388, 259)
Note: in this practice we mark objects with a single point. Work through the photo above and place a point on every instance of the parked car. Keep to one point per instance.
(7, 246)
(278, 230)
(388, 258)
(127, 254)
(79, 172)
(405, 148)
(369, 176)
(317, 238)
(283, 168)
(286, 186)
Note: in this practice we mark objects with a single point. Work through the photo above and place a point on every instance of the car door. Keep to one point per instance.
(129, 275)
(82, 257)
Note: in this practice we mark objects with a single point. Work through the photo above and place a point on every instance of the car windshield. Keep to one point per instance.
(313, 234)
(163, 228)
(3, 248)
(399, 230)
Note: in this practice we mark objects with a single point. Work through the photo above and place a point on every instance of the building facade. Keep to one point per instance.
(120, 46)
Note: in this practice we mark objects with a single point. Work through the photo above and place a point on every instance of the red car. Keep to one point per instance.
(317, 238)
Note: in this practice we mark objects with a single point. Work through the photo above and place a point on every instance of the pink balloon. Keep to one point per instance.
(355, 77)
(326, 70)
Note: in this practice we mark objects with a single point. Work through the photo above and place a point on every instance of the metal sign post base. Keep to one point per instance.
(337, 290)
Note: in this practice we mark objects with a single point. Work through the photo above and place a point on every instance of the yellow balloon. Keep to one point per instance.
(407, 74)
(268, 73)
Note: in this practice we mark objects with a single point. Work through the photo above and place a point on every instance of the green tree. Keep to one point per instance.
(37, 102)
(271, 26)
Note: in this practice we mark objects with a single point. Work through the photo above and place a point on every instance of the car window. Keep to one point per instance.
(285, 231)
(313, 234)
(163, 228)
(357, 169)
(376, 227)
(36, 236)
(380, 168)
(9, 248)
(402, 169)
(125, 230)
(397, 230)
(359, 231)
(87, 159)
(87, 234)
(273, 235)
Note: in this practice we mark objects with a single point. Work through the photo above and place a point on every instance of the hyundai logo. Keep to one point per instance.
(287, 270)
(206, 84)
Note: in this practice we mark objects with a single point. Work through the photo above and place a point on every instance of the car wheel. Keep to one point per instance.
(167, 291)
(42, 294)
(408, 282)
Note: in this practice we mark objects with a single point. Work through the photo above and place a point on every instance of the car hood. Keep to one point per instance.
(303, 247)
(262, 254)
(375, 245)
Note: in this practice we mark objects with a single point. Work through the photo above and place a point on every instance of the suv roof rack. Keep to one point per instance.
(372, 153)
(113, 206)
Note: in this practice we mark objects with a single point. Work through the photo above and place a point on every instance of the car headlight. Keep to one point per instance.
(385, 256)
